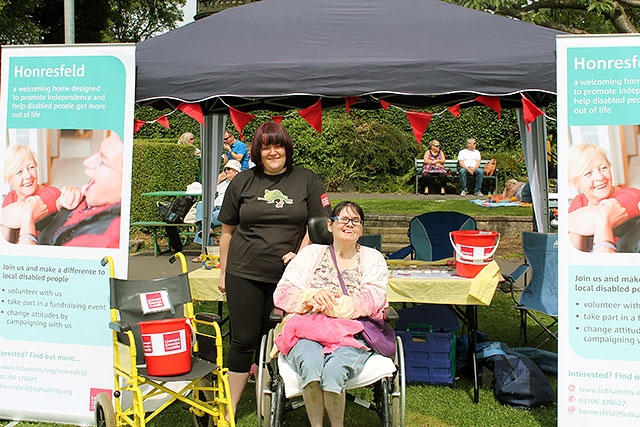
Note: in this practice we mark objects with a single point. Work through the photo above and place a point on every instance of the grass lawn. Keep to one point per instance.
(426, 405)
(419, 206)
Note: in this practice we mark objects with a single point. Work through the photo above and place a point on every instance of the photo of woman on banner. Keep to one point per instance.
(89, 215)
(602, 215)
(21, 173)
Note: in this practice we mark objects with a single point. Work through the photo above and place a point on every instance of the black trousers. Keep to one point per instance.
(250, 302)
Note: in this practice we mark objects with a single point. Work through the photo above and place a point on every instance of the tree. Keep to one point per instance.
(137, 20)
(571, 16)
(96, 21)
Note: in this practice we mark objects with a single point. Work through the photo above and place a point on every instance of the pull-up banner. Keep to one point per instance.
(66, 126)
(599, 231)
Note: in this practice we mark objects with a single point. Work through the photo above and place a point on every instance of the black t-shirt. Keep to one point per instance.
(270, 213)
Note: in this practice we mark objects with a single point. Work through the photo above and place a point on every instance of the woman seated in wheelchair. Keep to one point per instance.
(320, 338)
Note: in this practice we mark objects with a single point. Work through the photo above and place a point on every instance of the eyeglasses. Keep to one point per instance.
(344, 220)
(227, 137)
(436, 145)
(228, 169)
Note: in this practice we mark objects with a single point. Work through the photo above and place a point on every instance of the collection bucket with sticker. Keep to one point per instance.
(474, 249)
(167, 346)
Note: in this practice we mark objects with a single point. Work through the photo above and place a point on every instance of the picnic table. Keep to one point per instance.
(186, 230)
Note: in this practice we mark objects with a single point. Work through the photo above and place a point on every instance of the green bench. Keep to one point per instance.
(452, 168)
(186, 233)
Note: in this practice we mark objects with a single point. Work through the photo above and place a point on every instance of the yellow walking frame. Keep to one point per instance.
(204, 390)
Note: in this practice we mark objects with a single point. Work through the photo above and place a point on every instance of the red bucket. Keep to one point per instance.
(167, 346)
(474, 249)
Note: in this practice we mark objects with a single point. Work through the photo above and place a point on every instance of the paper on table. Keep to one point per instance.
(484, 285)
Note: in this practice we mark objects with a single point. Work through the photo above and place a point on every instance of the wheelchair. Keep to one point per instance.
(279, 388)
(204, 389)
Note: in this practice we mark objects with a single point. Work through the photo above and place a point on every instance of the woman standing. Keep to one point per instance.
(434, 166)
(264, 218)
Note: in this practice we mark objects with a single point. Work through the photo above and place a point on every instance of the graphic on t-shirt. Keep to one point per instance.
(277, 197)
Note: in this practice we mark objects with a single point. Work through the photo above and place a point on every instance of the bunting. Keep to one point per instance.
(313, 115)
(455, 110)
(419, 122)
(164, 121)
(492, 102)
(349, 101)
(240, 120)
(137, 124)
(529, 111)
(193, 110)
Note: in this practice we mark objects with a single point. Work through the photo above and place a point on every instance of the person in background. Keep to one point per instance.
(321, 313)
(264, 223)
(21, 173)
(434, 166)
(469, 162)
(231, 169)
(513, 188)
(89, 216)
(187, 138)
(236, 150)
(233, 150)
(600, 206)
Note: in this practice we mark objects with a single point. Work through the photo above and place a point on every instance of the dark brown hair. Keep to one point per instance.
(267, 134)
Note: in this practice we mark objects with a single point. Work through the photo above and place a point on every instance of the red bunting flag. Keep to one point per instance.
(530, 111)
(193, 110)
(137, 124)
(385, 104)
(313, 115)
(349, 101)
(277, 119)
(240, 119)
(455, 110)
(492, 102)
(164, 121)
(419, 122)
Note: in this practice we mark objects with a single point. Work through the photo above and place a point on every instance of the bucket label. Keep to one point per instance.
(474, 254)
(164, 343)
(154, 302)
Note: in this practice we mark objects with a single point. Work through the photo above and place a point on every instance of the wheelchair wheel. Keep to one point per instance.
(278, 401)
(104, 415)
(399, 387)
(382, 392)
(263, 379)
(205, 420)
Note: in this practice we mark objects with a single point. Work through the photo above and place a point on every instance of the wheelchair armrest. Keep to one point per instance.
(208, 317)
(277, 314)
(119, 326)
(390, 313)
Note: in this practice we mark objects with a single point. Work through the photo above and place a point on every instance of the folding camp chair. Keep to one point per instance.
(429, 235)
(540, 295)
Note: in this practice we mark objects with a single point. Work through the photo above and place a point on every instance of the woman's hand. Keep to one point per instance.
(221, 285)
(288, 257)
(322, 300)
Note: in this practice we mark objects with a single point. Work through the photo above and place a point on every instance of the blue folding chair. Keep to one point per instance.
(540, 294)
(429, 235)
